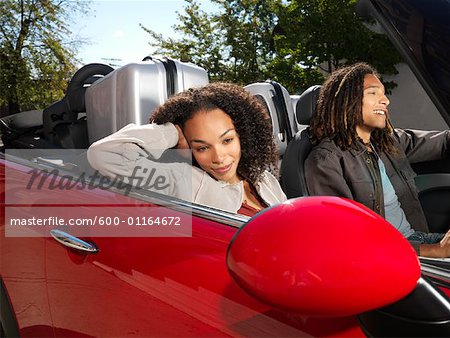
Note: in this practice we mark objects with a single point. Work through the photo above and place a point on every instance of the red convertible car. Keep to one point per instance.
(82, 255)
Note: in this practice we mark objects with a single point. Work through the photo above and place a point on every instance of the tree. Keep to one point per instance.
(201, 43)
(233, 44)
(35, 53)
(247, 27)
(296, 43)
(321, 35)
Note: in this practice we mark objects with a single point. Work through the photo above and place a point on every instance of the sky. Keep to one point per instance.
(112, 28)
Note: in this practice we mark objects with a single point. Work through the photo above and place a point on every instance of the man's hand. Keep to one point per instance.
(446, 240)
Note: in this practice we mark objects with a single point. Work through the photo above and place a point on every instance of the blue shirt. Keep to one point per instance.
(394, 213)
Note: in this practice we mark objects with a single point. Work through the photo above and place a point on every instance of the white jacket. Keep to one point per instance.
(136, 146)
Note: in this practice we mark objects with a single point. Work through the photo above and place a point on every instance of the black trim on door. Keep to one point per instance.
(171, 75)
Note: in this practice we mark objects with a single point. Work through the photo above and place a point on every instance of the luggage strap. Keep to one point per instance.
(171, 75)
(282, 113)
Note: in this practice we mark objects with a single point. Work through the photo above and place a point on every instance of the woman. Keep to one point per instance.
(230, 136)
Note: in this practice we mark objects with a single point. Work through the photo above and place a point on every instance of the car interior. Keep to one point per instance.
(277, 101)
(63, 125)
(61, 131)
(292, 171)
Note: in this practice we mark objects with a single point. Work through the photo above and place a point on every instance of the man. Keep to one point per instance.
(358, 155)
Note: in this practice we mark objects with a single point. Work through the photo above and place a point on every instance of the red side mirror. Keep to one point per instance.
(323, 256)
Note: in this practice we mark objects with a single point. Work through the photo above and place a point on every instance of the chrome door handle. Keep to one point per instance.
(73, 242)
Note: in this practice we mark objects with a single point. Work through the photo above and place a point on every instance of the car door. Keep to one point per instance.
(165, 286)
(137, 285)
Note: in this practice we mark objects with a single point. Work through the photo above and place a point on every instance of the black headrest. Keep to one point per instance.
(84, 77)
(306, 104)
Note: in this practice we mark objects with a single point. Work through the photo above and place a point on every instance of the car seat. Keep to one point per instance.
(293, 179)
(294, 101)
(277, 101)
(64, 122)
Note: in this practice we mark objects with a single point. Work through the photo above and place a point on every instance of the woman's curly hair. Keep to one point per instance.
(250, 118)
(339, 110)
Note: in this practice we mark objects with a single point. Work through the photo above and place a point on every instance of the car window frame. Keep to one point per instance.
(147, 196)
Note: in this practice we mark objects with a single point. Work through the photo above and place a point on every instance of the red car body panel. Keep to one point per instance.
(145, 286)
(181, 286)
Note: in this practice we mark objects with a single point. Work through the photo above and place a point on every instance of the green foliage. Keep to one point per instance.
(247, 27)
(201, 41)
(292, 75)
(297, 43)
(233, 44)
(35, 55)
(322, 35)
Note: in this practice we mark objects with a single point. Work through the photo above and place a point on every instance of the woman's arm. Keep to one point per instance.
(121, 152)
(130, 154)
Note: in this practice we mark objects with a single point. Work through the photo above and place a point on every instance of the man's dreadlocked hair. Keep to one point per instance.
(339, 110)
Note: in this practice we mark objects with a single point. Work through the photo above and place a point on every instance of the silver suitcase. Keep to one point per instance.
(277, 100)
(130, 93)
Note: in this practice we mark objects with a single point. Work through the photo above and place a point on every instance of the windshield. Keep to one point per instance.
(424, 26)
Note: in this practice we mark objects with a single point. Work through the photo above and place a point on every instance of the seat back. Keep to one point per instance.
(293, 179)
(278, 103)
(294, 101)
(64, 122)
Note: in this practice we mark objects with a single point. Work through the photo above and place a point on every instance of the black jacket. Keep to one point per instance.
(351, 173)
